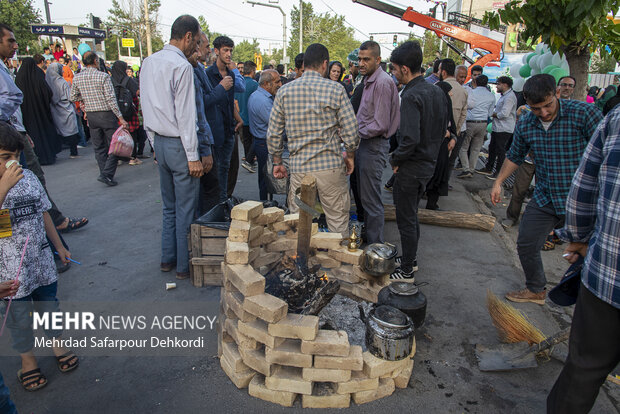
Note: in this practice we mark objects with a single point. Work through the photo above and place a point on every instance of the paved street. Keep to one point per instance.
(119, 251)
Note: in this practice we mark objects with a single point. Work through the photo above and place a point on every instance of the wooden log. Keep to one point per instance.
(196, 251)
(458, 219)
(304, 232)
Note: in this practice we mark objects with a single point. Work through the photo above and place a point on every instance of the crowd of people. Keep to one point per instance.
(194, 104)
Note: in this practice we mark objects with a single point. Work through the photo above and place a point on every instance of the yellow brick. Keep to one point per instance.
(377, 367)
(330, 343)
(324, 260)
(230, 326)
(234, 301)
(242, 231)
(326, 241)
(288, 379)
(232, 355)
(246, 211)
(345, 273)
(265, 259)
(354, 361)
(296, 327)
(402, 380)
(266, 307)
(359, 382)
(386, 387)
(258, 389)
(257, 330)
(241, 380)
(326, 375)
(326, 397)
(240, 253)
(245, 279)
(288, 353)
(281, 244)
(344, 255)
(255, 359)
(269, 215)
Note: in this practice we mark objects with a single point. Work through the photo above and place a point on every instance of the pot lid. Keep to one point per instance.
(403, 288)
(381, 250)
(390, 316)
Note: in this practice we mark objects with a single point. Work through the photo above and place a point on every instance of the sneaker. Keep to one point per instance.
(107, 181)
(459, 167)
(399, 276)
(388, 186)
(465, 174)
(182, 275)
(484, 171)
(81, 146)
(508, 223)
(492, 177)
(526, 295)
(248, 166)
(135, 161)
(166, 267)
(399, 259)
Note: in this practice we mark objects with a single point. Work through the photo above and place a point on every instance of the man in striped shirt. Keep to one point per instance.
(318, 117)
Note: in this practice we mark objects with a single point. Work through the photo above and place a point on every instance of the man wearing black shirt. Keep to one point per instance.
(423, 124)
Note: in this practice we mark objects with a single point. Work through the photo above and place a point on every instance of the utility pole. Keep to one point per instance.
(254, 3)
(147, 29)
(301, 25)
(47, 17)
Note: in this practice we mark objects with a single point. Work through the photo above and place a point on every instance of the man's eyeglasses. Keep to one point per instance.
(567, 85)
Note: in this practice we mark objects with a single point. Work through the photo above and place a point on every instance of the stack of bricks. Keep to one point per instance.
(279, 356)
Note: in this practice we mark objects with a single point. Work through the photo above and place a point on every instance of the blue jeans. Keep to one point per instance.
(42, 300)
(261, 152)
(179, 195)
(81, 133)
(222, 154)
(6, 405)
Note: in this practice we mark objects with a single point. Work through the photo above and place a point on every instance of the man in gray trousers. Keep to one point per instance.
(378, 118)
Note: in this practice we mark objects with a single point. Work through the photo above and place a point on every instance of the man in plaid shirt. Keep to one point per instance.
(555, 134)
(593, 230)
(317, 116)
(94, 91)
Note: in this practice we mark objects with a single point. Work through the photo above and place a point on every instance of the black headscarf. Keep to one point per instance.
(446, 88)
(119, 73)
(36, 111)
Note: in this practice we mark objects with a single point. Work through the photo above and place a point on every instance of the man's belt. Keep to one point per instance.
(477, 122)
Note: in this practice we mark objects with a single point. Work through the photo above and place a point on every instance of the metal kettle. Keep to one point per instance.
(407, 298)
(378, 259)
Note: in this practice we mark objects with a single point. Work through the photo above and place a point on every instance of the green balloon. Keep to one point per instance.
(531, 55)
(549, 68)
(558, 73)
(489, 127)
(525, 71)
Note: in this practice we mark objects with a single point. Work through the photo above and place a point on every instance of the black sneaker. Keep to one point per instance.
(465, 174)
(399, 276)
(107, 181)
(484, 171)
(399, 259)
(248, 166)
(388, 186)
(492, 177)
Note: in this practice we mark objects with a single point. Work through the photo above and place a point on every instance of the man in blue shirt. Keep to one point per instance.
(224, 140)
(555, 134)
(249, 71)
(259, 109)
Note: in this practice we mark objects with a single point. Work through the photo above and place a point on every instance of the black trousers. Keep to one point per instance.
(455, 151)
(248, 144)
(500, 142)
(209, 193)
(408, 191)
(233, 171)
(102, 125)
(593, 352)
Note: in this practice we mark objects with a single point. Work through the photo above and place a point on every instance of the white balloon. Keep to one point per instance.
(517, 84)
(557, 59)
(545, 49)
(565, 66)
(524, 60)
(545, 60)
(534, 62)
(535, 72)
(539, 48)
(514, 70)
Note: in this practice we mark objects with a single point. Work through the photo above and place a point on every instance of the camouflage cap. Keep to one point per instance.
(353, 57)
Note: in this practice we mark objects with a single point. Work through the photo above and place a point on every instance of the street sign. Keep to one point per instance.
(128, 42)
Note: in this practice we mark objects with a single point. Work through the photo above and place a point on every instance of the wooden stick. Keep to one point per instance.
(448, 218)
(304, 228)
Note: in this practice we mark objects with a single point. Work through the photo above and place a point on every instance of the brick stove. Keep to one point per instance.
(279, 355)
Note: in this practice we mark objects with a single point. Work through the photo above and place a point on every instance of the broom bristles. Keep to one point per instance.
(512, 324)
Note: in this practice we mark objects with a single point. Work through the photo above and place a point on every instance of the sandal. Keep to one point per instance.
(31, 380)
(67, 362)
(549, 244)
(557, 240)
(73, 224)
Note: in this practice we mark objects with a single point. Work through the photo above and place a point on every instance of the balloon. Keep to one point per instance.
(545, 60)
(490, 128)
(83, 48)
(529, 57)
(517, 84)
(514, 70)
(558, 73)
(525, 71)
(557, 59)
(549, 68)
(535, 72)
(135, 67)
(539, 48)
(565, 66)
(534, 62)
(526, 58)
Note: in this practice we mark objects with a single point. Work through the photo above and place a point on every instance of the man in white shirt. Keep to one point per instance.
(169, 108)
(504, 120)
(480, 104)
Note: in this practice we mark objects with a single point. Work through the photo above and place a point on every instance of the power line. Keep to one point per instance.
(345, 20)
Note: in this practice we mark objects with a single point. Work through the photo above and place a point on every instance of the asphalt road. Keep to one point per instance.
(119, 251)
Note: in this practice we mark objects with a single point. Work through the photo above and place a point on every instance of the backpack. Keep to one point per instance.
(124, 98)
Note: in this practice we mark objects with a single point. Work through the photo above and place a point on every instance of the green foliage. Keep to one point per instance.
(602, 64)
(327, 29)
(563, 24)
(19, 15)
(204, 26)
(131, 17)
(245, 50)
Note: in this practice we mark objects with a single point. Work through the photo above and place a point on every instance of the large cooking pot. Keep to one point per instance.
(407, 298)
(378, 259)
(389, 333)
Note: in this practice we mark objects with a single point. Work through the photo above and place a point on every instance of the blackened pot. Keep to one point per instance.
(389, 333)
(407, 298)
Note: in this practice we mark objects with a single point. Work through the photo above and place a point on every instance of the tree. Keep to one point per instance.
(204, 26)
(575, 28)
(245, 50)
(602, 64)
(19, 15)
(327, 29)
(129, 15)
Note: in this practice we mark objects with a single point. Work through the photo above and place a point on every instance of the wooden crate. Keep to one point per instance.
(207, 249)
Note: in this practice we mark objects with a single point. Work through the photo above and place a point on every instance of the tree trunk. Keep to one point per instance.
(578, 62)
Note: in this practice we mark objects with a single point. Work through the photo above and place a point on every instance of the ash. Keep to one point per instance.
(342, 313)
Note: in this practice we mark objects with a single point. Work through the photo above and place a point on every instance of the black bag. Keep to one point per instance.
(124, 98)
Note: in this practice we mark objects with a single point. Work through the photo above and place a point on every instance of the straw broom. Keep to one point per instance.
(512, 324)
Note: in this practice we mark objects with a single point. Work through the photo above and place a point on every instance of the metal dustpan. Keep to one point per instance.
(520, 355)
